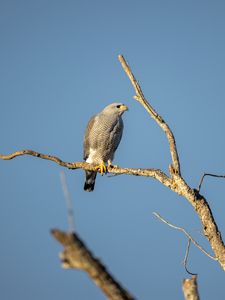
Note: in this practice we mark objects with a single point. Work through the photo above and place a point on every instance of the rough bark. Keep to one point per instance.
(190, 288)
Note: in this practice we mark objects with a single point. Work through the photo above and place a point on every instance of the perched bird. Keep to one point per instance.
(102, 137)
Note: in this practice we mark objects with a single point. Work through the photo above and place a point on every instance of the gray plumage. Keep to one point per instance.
(102, 137)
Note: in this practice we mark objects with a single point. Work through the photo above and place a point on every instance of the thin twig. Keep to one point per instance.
(187, 234)
(68, 200)
(159, 120)
(186, 258)
(208, 174)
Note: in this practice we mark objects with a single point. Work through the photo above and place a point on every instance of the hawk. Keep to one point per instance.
(102, 137)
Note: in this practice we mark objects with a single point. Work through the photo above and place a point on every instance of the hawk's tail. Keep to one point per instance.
(90, 181)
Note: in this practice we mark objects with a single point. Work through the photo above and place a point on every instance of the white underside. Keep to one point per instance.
(91, 157)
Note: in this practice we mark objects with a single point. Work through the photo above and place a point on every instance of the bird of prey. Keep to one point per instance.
(102, 137)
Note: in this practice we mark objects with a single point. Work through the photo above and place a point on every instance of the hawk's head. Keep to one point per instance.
(115, 108)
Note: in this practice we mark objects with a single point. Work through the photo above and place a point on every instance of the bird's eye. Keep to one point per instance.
(118, 106)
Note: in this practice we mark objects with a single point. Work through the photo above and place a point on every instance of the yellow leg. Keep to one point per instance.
(102, 168)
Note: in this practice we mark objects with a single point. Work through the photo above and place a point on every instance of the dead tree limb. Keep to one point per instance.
(76, 255)
(190, 288)
(175, 182)
(154, 173)
(159, 120)
(179, 185)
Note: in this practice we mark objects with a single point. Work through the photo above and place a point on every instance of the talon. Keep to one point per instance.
(101, 168)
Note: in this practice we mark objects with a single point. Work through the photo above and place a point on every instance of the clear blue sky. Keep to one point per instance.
(58, 66)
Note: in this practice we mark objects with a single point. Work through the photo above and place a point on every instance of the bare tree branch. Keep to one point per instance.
(186, 233)
(155, 173)
(204, 212)
(176, 183)
(45, 156)
(190, 288)
(179, 185)
(208, 174)
(159, 120)
(76, 255)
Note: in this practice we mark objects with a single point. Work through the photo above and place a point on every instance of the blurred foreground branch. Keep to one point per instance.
(76, 255)
(68, 201)
(190, 288)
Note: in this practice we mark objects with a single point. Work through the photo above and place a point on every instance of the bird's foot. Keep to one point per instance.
(101, 168)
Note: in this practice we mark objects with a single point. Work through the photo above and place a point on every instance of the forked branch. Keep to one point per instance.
(186, 233)
(179, 185)
(176, 183)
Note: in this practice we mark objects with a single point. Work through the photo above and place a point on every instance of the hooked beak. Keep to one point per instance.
(123, 108)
